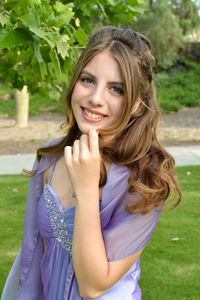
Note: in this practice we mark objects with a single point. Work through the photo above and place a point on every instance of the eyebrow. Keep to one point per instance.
(94, 77)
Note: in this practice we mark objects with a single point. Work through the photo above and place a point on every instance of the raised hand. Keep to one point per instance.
(83, 164)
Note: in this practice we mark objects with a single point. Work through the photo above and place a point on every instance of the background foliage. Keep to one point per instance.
(166, 23)
(40, 39)
(162, 28)
(179, 87)
(187, 12)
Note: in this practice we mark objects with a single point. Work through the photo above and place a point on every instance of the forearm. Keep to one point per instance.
(88, 250)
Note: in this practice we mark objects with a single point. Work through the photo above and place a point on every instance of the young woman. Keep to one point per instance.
(95, 196)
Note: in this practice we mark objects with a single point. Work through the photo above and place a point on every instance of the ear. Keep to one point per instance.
(136, 105)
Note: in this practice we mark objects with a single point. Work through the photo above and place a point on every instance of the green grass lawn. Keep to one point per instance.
(170, 270)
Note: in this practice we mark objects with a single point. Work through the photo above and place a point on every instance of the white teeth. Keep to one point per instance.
(91, 115)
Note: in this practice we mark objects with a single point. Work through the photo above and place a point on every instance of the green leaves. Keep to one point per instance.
(134, 3)
(47, 36)
(63, 46)
(64, 13)
(112, 2)
(122, 13)
(81, 36)
(137, 9)
(3, 19)
(54, 66)
(37, 49)
(59, 7)
(10, 38)
(31, 20)
(43, 69)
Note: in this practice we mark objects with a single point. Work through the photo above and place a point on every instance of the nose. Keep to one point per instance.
(98, 96)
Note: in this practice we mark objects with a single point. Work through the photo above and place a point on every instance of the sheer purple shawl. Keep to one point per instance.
(124, 234)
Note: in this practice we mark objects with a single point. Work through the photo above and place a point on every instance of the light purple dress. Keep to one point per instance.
(49, 275)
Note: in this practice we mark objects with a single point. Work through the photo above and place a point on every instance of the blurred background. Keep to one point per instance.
(40, 41)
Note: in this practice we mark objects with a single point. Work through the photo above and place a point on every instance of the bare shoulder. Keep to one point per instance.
(60, 169)
(47, 172)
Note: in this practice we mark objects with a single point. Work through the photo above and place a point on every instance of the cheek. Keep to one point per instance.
(119, 108)
(75, 98)
(74, 95)
(73, 102)
(78, 92)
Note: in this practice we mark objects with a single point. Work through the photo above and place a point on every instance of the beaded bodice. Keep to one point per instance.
(53, 221)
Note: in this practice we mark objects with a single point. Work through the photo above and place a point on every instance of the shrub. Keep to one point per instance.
(179, 87)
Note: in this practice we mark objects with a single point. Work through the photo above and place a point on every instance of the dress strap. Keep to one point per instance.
(52, 171)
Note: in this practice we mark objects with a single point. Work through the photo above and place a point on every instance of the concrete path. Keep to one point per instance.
(13, 164)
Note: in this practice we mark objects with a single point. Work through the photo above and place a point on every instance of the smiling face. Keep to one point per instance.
(98, 98)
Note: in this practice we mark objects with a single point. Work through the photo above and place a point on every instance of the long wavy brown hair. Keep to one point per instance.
(134, 143)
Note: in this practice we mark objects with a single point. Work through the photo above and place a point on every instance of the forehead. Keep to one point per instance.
(104, 64)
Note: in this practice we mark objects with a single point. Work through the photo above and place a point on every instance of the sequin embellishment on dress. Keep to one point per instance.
(57, 221)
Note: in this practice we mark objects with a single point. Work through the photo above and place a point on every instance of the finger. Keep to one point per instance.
(93, 141)
(76, 150)
(84, 146)
(68, 155)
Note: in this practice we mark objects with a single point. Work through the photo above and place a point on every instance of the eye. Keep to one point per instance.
(87, 80)
(118, 90)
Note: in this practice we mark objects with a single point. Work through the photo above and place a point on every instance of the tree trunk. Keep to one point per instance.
(21, 106)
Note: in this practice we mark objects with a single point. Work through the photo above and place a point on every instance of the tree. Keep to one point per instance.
(40, 39)
(188, 13)
(163, 29)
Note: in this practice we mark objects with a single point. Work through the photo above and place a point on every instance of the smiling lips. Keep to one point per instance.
(91, 116)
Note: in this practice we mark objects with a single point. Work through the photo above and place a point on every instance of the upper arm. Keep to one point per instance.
(117, 269)
(120, 267)
(126, 234)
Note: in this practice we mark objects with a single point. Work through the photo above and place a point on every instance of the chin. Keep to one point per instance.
(85, 129)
